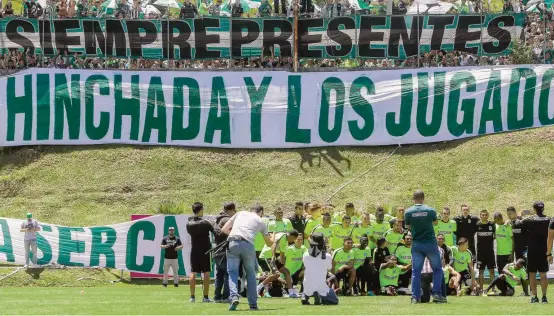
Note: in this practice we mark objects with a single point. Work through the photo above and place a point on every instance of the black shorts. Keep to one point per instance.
(404, 279)
(486, 260)
(264, 265)
(342, 275)
(278, 264)
(537, 262)
(465, 278)
(296, 277)
(200, 262)
(501, 262)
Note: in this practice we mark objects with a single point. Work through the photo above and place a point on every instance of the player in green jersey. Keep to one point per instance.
(389, 272)
(340, 232)
(349, 210)
(507, 281)
(292, 260)
(279, 224)
(462, 262)
(380, 226)
(395, 235)
(380, 212)
(312, 221)
(364, 228)
(259, 242)
(343, 268)
(364, 269)
(326, 229)
(447, 227)
(504, 242)
(404, 255)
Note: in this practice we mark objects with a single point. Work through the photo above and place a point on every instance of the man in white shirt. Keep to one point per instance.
(30, 227)
(317, 262)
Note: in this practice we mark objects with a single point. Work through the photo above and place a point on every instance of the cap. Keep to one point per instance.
(29, 215)
(171, 228)
(317, 239)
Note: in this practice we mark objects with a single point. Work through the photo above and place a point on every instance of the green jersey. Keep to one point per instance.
(259, 241)
(281, 239)
(357, 232)
(394, 239)
(521, 274)
(342, 257)
(339, 234)
(311, 224)
(389, 276)
(404, 255)
(420, 218)
(446, 272)
(503, 240)
(326, 231)
(360, 255)
(379, 230)
(461, 260)
(447, 229)
(387, 218)
(293, 258)
(279, 226)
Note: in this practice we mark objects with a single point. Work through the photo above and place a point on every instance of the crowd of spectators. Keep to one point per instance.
(538, 37)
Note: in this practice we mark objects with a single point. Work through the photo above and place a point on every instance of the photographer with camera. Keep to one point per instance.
(30, 227)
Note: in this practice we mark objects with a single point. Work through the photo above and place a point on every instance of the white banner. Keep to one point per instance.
(271, 109)
(132, 246)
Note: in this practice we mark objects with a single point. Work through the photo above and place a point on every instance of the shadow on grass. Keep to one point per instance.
(34, 272)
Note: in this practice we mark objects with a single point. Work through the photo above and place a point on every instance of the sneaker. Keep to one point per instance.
(534, 299)
(233, 305)
(438, 299)
(293, 295)
(254, 308)
(207, 300)
(544, 300)
(348, 293)
(176, 285)
(192, 300)
(415, 301)
(370, 293)
(164, 284)
(267, 295)
(305, 300)
(317, 299)
(25, 266)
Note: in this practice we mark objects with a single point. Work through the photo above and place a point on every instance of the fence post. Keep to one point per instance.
(169, 66)
(480, 50)
(231, 38)
(418, 39)
(544, 16)
(295, 32)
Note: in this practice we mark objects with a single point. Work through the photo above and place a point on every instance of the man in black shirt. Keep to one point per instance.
(199, 230)
(519, 234)
(485, 247)
(466, 227)
(188, 10)
(537, 227)
(298, 220)
(172, 244)
(221, 293)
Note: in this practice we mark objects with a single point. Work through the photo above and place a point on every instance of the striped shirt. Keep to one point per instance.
(427, 265)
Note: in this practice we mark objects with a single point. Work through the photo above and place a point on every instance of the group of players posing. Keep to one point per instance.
(372, 252)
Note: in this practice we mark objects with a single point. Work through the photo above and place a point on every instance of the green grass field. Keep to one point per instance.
(99, 185)
(153, 299)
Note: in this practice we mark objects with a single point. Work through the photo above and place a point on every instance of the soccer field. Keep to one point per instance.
(149, 299)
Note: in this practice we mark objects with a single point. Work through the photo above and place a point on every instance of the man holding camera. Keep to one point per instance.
(30, 227)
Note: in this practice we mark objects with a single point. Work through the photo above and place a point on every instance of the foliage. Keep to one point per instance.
(522, 54)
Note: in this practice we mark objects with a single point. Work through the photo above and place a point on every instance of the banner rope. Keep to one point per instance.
(362, 174)
(10, 274)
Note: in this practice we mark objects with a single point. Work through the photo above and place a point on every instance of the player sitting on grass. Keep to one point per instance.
(388, 276)
(343, 268)
(463, 264)
(511, 275)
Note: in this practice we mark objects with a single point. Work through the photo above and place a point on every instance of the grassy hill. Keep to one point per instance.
(105, 184)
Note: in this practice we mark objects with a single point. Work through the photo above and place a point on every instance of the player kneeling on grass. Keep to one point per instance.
(511, 275)
(317, 262)
(388, 276)
(343, 268)
(271, 285)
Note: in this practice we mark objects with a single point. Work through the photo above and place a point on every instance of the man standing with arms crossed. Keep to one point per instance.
(172, 244)
(466, 227)
(242, 229)
(420, 219)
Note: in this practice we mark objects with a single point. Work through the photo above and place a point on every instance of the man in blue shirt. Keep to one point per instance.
(420, 219)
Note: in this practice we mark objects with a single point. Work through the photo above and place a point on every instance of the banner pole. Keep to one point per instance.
(169, 66)
(231, 39)
(544, 32)
(295, 31)
(43, 30)
(480, 50)
(418, 40)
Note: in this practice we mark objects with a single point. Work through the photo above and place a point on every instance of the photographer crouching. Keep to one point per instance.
(317, 262)
(220, 256)
(199, 230)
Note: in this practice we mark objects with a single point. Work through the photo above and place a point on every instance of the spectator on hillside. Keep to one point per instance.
(264, 9)
(61, 9)
(32, 9)
(188, 10)
(30, 227)
(236, 8)
(215, 8)
(123, 9)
